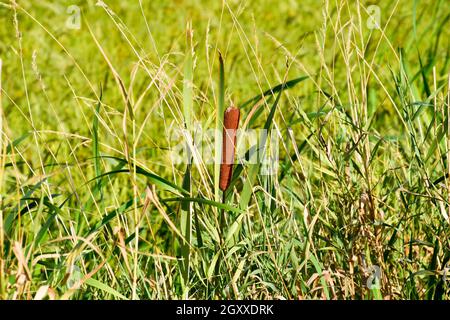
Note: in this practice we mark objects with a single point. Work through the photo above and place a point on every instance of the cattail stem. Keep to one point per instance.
(222, 219)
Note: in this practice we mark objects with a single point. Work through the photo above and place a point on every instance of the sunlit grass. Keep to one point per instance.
(95, 204)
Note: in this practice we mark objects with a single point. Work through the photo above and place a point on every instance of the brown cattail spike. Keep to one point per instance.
(230, 126)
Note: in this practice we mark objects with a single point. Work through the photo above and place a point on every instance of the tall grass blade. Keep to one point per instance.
(218, 129)
(254, 167)
(186, 206)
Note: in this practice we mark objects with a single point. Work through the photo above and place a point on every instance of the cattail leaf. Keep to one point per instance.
(218, 129)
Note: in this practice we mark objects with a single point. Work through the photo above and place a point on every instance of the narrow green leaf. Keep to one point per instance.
(16, 142)
(100, 285)
(218, 129)
(153, 178)
(218, 205)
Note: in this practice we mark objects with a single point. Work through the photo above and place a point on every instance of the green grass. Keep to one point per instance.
(94, 205)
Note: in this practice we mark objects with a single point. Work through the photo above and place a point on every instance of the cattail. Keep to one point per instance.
(230, 125)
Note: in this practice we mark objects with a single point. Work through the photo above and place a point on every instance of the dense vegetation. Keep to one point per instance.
(94, 205)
